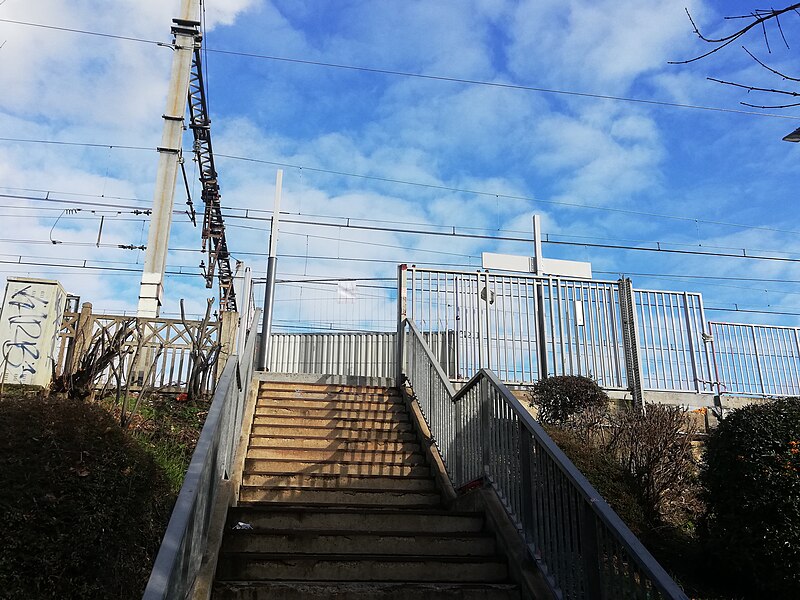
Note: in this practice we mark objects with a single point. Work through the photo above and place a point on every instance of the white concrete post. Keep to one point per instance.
(152, 288)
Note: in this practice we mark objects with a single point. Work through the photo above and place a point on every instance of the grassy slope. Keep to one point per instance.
(83, 504)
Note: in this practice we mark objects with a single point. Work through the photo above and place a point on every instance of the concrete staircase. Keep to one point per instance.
(337, 502)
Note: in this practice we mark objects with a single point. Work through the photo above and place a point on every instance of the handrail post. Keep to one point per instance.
(526, 481)
(402, 313)
(590, 555)
(458, 442)
(485, 427)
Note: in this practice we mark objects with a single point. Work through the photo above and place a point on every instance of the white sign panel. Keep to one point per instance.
(30, 320)
(566, 268)
(506, 262)
(526, 264)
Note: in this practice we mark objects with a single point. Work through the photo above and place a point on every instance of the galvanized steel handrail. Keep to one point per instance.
(582, 546)
(184, 543)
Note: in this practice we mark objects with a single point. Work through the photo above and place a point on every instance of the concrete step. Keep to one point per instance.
(328, 432)
(348, 542)
(255, 465)
(398, 520)
(374, 394)
(324, 567)
(342, 456)
(379, 424)
(338, 590)
(300, 388)
(330, 413)
(333, 497)
(332, 443)
(340, 482)
(333, 403)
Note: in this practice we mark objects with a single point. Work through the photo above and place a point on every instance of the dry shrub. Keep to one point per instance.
(654, 446)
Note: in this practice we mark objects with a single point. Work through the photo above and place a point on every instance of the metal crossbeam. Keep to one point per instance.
(213, 225)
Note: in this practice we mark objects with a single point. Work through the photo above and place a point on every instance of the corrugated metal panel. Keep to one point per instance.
(362, 354)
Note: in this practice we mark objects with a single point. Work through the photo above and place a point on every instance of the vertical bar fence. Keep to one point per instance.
(483, 432)
(756, 360)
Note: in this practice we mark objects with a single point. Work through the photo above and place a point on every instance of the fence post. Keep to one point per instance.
(487, 297)
(402, 314)
(227, 337)
(758, 360)
(541, 329)
(690, 337)
(630, 340)
(83, 338)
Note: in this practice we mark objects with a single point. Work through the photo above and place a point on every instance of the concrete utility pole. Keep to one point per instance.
(272, 267)
(185, 30)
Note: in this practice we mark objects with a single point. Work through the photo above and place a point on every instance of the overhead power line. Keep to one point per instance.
(483, 193)
(425, 76)
(658, 248)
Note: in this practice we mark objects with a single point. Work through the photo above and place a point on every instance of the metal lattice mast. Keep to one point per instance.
(214, 241)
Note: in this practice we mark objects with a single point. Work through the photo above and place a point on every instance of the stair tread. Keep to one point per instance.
(345, 489)
(299, 504)
(363, 533)
(433, 512)
(446, 558)
(336, 475)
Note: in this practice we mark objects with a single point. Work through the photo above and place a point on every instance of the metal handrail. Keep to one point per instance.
(581, 545)
(179, 557)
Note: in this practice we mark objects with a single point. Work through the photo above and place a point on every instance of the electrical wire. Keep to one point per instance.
(445, 188)
(429, 77)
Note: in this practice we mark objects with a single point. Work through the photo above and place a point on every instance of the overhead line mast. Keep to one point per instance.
(186, 82)
(213, 225)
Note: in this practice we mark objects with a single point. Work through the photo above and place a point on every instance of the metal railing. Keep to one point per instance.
(581, 545)
(671, 328)
(756, 360)
(523, 327)
(520, 326)
(364, 354)
(184, 542)
(170, 340)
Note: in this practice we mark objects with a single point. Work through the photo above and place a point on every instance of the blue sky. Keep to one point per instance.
(599, 171)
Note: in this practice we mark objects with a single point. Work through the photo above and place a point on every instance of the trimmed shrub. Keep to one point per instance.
(752, 481)
(560, 399)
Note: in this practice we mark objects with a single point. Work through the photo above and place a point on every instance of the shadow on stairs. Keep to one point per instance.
(337, 501)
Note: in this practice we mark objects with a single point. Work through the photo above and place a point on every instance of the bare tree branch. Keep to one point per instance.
(770, 106)
(780, 29)
(752, 88)
(770, 69)
(759, 18)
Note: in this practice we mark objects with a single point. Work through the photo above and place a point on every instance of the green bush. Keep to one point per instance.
(560, 399)
(752, 481)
